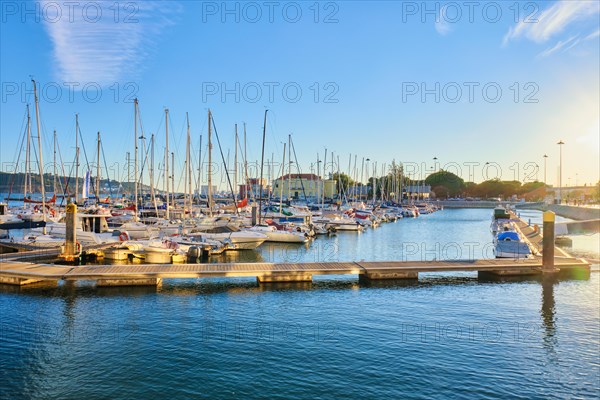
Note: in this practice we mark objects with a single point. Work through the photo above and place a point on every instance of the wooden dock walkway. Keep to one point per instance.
(12, 272)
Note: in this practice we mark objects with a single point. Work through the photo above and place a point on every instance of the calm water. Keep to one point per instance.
(451, 234)
(447, 336)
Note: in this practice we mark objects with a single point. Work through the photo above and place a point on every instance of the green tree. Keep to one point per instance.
(531, 186)
(441, 192)
(343, 181)
(452, 183)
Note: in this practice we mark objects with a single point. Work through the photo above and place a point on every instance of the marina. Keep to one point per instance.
(12, 271)
(300, 200)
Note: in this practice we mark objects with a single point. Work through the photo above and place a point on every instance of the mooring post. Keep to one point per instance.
(548, 242)
(254, 215)
(70, 251)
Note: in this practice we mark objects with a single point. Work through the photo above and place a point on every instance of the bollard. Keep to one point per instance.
(254, 209)
(71, 250)
(548, 242)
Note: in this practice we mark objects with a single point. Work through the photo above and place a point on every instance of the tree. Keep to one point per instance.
(531, 186)
(343, 181)
(453, 183)
(440, 191)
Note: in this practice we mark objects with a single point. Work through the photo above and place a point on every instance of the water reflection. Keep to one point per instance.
(548, 311)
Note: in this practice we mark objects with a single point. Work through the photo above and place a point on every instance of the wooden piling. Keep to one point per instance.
(548, 243)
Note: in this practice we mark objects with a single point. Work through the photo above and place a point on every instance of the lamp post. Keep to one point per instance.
(560, 144)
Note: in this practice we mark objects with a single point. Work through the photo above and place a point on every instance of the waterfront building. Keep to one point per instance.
(299, 185)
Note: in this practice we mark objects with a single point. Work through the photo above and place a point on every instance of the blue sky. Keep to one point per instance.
(500, 82)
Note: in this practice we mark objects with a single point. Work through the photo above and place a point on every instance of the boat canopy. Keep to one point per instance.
(513, 236)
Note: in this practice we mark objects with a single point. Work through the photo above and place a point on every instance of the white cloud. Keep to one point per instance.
(442, 24)
(593, 35)
(573, 41)
(110, 49)
(560, 45)
(552, 20)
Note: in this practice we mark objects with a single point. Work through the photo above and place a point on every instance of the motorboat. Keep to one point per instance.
(238, 239)
(509, 244)
(280, 235)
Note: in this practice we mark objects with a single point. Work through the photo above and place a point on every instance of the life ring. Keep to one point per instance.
(77, 247)
(123, 236)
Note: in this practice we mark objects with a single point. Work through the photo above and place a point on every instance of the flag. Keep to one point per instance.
(85, 190)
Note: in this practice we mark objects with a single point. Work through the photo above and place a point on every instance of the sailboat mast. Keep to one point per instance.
(128, 158)
(173, 178)
(27, 187)
(246, 165)
(362, 178)
(98, 172)
(188, 170)
(199, 169)
(270, 179)
(235, 161)
(282, 179)
(318, 178)
(152, 174)
(167, 160)
(355, 173)
(374, 182)
(262, 160)
(289, 195)
(76, 158)
(135, 157)
(41, 160)
(143, 159)
(209, 177)
(54, 164)
(324, 178)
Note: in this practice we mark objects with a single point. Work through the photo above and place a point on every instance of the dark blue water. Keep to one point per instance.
(447, 336)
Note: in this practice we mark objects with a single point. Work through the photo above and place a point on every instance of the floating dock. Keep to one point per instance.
(34, 267)
(22, 273)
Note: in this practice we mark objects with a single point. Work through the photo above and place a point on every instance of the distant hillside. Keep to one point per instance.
(17, 181)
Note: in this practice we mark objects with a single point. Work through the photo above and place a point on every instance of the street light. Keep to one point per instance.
(560, 144)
